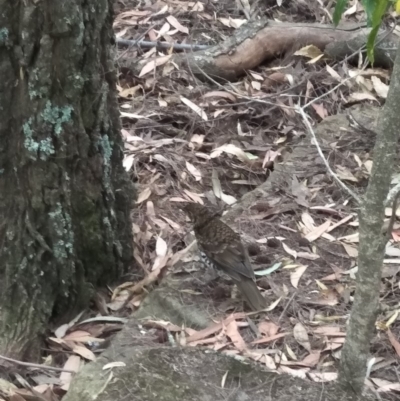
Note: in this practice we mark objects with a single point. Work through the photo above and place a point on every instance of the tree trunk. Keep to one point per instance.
(355, 352)
(64, 196)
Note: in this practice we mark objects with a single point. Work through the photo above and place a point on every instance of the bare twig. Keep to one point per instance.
(357, 125)
(36, 365)
(161, 45)
(300, 110)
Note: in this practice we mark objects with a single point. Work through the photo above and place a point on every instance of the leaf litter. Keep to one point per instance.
(190, 141)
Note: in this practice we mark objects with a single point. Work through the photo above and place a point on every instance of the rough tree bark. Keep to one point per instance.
(64, 196)
(355, 352)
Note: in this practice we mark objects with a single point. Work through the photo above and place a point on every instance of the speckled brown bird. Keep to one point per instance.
(222, 247)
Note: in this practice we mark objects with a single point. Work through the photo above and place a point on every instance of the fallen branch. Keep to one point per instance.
(36, 365)
(160, 45)
(264, 40)
(300, 110)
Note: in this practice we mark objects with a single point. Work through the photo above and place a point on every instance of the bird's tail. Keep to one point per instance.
(251, 293)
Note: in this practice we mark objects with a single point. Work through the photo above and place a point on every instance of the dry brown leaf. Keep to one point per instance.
(233, 333)
(206, 341)
(380, 88)
(385, 385)
(333, 73)
(351, 250)
(172, 223)
(268, 328)
(178, 199)
(318, 231)
(143, 195)
(261, 356)
(345, 174)
(161, 261)
(150, 66)
(256, 85)
(301, 336)
(163, 324)
(77, 336)
(334, 343)
(270, 156)
(320, 377)
(395, 343)
(290, 251)
(302, 373)
(73, 363)
(290, 353)
(352, 238)
(308, 255)
(311, 360)
(83, 352)
(273, 305)
(61, 330)
(225, 95)
(269, 339)
(216, 184)
(214, 328)
(149, 279)
(333, 331)
(231, 149)
(198, 110)
(129, 93)
(128, 162)
(339, 223)
(357, 96)
(296, 275)
(310, 51)
(113, 365)
(197, 139)
(176, 24)
(308, 221)
(195, 197)
(194, 171)
(232, 22)
(320, 110)
(163, 30)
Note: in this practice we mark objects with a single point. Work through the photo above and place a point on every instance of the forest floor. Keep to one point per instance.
(192, 140)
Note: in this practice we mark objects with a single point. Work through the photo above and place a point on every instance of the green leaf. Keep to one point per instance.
(369, 6)
(379, 11)
(377, 15)
(270, 270)
(371, 43)
(339, 9)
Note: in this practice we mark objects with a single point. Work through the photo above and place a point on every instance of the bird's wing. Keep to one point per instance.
(232, 258)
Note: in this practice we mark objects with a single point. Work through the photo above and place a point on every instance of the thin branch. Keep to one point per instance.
(300, 110)
(341, 83)
(160, 45)
(356, 125)
(36, 365)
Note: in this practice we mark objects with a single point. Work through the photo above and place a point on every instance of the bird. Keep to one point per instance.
(222, 248)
